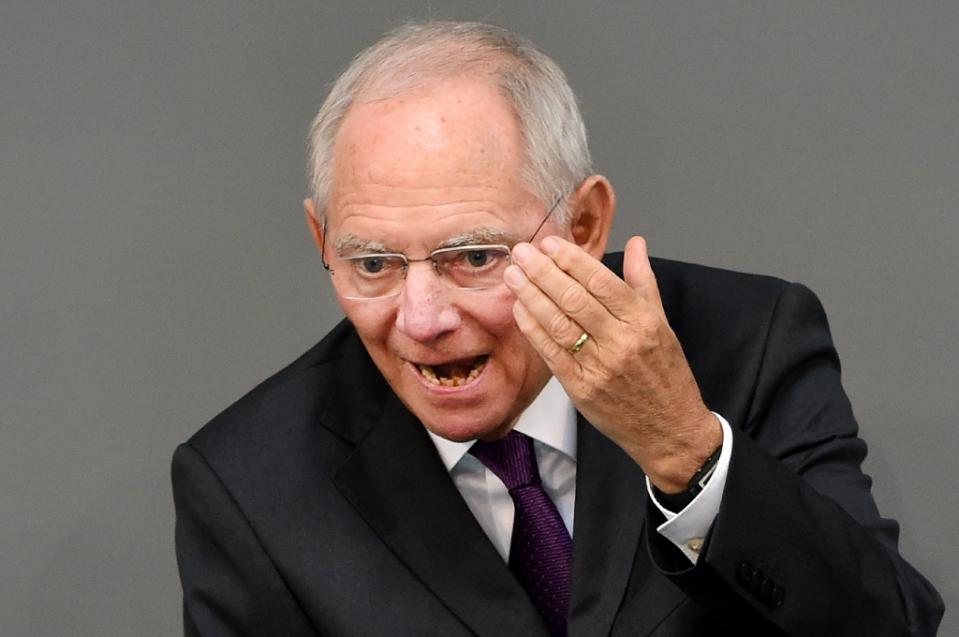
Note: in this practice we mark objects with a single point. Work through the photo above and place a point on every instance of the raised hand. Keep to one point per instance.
(630, 377)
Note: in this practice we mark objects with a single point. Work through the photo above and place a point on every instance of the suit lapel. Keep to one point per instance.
(610, 499)
(613, 578)
(396, 481)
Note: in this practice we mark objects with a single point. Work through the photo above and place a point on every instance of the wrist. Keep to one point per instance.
(687, 462)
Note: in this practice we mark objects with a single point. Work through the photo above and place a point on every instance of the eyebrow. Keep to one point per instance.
(480, 236)
(350, 244)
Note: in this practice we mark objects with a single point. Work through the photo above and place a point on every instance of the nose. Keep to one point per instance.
(426, 312)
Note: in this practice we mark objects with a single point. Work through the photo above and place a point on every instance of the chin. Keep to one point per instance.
(465, 431)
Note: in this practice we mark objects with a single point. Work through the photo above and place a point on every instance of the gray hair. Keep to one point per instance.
(557, 155)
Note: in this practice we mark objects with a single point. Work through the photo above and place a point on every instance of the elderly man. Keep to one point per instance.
(511, 434)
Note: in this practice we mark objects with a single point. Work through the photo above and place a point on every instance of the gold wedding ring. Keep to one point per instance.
(578, 345)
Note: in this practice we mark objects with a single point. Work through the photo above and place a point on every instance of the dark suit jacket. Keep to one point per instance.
(317, 503)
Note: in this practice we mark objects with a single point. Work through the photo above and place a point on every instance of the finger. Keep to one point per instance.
(568, 296)
(557, 358)
(610, 291)
(638, 272)
(560, 327)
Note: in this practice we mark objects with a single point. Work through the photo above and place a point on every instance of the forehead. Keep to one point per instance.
(450, 148)
(456, 124)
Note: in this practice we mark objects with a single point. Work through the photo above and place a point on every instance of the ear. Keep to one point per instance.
(592, 206)
(314, 224)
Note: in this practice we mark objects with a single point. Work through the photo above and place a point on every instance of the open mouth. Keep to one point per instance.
(454, 373)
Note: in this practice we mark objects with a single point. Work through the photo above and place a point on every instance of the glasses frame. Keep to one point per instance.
(432, 255)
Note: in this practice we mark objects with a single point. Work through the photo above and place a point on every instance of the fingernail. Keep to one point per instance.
(514, 277)
(522, 252)
(550, 245)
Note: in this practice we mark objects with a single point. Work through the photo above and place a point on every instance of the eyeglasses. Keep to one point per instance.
(377, 275)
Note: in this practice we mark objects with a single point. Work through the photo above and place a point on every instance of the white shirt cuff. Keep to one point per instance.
(687, 529)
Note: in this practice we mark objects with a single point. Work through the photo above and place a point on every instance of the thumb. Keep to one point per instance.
(638, 273)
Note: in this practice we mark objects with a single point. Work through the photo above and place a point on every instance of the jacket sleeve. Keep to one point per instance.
(798, 543)
(230, 585)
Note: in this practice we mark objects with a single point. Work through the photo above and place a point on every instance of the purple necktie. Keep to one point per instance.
(541, 551)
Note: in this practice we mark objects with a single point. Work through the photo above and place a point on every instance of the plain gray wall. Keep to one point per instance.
(155, 265)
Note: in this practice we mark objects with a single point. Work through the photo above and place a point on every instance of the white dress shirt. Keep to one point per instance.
(551, 422)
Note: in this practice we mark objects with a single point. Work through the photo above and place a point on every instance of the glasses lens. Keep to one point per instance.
(472, 267)
(371, 275)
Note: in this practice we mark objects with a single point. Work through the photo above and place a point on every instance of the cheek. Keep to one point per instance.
(497, 312)
(498, 320)
(373, 323)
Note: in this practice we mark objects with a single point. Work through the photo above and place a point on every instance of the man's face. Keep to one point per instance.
(409, 173)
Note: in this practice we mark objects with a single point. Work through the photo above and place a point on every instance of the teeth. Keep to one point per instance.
(457, 381)
(429, 374)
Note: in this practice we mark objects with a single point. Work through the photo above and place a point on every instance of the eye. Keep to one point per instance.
(474, 259)
(376, 266)
(371, 264)
(478, 258)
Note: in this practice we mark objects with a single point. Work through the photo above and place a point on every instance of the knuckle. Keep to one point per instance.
(586, 391)
(600, 282)
(647, 324)
(604, 376)
(538, 265)
(551, 350)
(651, 334)
(558, 325)
(574, 298)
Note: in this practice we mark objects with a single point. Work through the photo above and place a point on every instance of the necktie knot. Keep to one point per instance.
(511, 458)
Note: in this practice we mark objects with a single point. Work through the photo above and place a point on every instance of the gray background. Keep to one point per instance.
(154, 263)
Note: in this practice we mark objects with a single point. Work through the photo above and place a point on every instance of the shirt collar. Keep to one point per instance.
(550, 419)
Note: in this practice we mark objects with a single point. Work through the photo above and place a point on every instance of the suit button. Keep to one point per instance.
(766, 588)
(776, 597)
(756, 581)
(744, 573)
